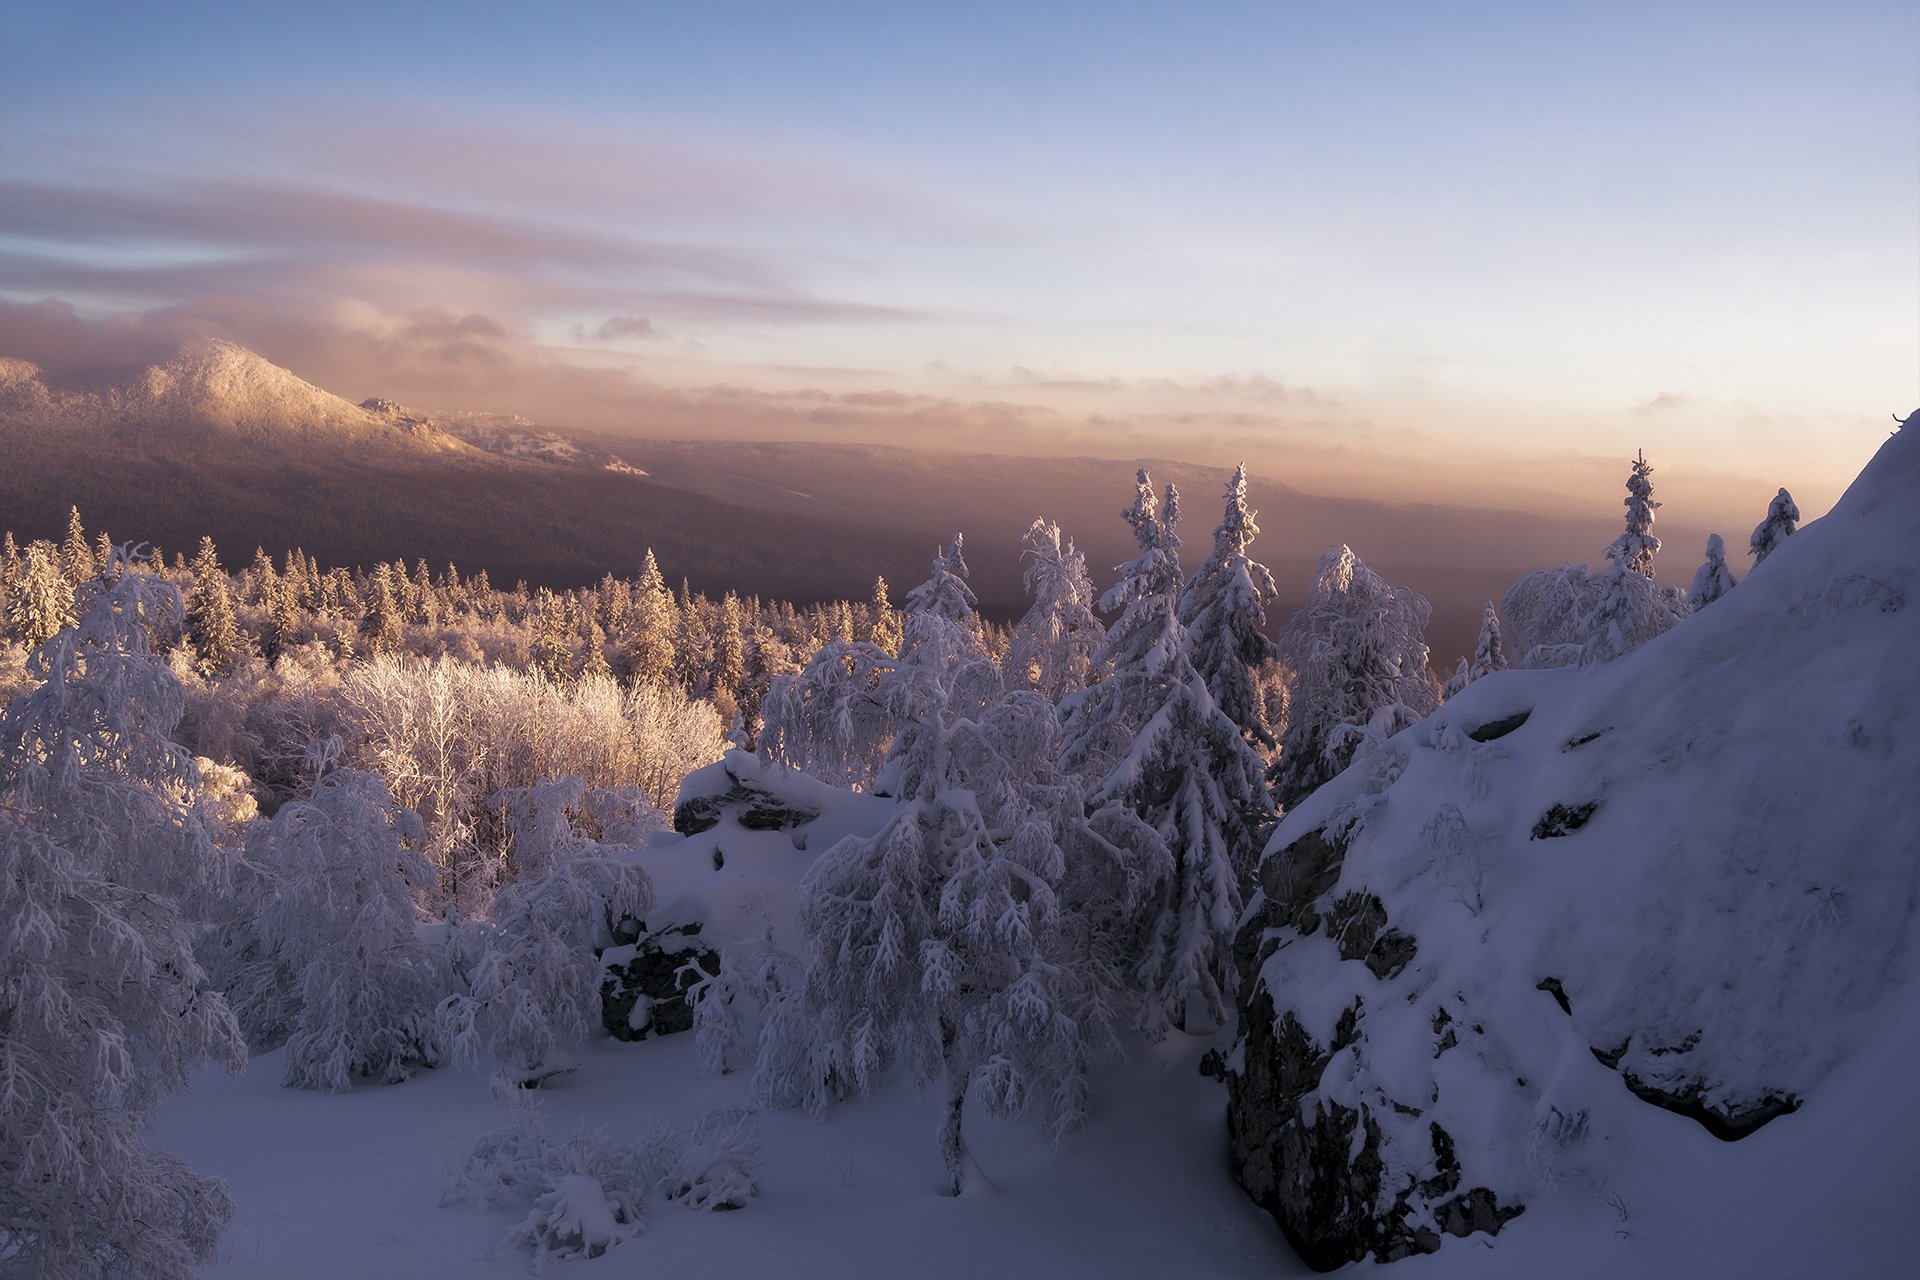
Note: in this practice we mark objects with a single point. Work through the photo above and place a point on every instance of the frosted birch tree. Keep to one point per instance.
(941, 942)
(354, 885)
(104, 1009)
(535, 973)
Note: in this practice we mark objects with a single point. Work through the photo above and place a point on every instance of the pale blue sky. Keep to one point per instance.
(1339, 233)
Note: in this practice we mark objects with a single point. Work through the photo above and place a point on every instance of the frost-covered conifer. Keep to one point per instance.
(1224, 608)
(1636, 546)
(382, 625)
(1359, 660)
(42, 600)
(1489, 655)
(943, 674)
(883, 619)
(1171, 776)
(1713, 578)
(1627, 610)
(553, 637)
(729, 651)
(282, 629)
(352, 884)
(1052, 649)
(534, 983)
(211, 628)
(1782, 518)
(76, 556)
(593, 664)
(9, 576)
(104, 1009)
(651, 625)
(1459, 680)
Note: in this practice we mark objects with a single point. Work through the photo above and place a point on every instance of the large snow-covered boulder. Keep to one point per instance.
(1685, 879)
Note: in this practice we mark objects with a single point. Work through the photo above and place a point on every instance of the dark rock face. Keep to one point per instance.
(1499, 728)
(1729, 1123)
(644, 995)
(1324, 1177)
(1561, 820)
(751, 808)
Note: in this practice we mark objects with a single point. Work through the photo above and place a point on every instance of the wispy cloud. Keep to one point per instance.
(617, 328)
(1665, 402)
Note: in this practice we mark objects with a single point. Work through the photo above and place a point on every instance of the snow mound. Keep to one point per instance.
(1685, 878)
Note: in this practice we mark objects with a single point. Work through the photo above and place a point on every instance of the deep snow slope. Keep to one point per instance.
(1617, 962)
(351, 1185)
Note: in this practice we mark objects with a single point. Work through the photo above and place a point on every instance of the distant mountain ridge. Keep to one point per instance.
(219, 440)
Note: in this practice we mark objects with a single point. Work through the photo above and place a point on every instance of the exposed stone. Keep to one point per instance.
(1323, 1176)
(1499, 728)
(643, 994)
(752, 808)
(1562, 819)
(1728, 1122)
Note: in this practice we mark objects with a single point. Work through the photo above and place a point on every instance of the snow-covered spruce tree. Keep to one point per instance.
(1627, 610)
(211, 628)
(104, 1010)
(943, 673)
(76, 557)
(1782, 518)
(353, 882)
(729, 653)
(1359, 660)
(1462, 676)
(534, 981)
(382, 626)
(1489, 654)
(1713, 578)
(1636, 546)
(1171, 779)
(1052, 648)
(650, 627)
(883, 619)
(1224, 608)
(42, 600)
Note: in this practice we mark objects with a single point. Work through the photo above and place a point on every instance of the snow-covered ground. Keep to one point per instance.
(351, 1184)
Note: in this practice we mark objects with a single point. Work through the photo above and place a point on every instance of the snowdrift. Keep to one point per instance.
(1494, 963)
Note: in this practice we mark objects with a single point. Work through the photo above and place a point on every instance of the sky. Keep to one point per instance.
(1471, 252)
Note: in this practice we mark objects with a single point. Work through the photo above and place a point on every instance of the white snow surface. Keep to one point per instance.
(350, 1185)
(1741, 904)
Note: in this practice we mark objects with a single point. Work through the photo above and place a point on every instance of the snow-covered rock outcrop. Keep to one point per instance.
(1685, 879)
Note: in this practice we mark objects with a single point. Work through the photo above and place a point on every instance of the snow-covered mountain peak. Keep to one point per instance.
(223, 384)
